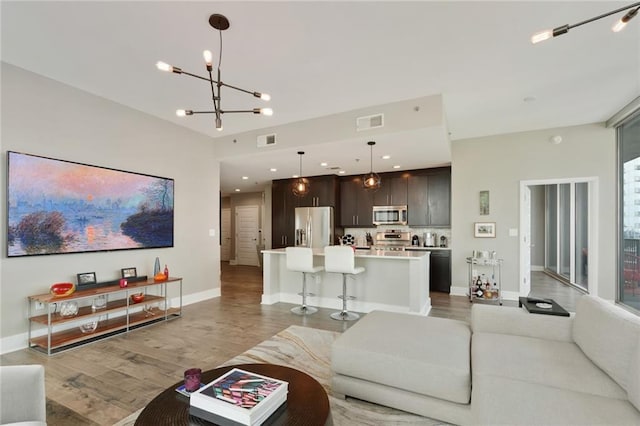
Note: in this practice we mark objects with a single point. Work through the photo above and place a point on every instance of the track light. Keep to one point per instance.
(220, 23)
(547, 34)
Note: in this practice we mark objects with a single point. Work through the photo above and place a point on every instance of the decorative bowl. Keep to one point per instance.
(62, 289)
(69, 309)
(137, 298)
(90, 326)
(160, 276)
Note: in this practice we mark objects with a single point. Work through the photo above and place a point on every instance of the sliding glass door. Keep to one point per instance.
(567, 232)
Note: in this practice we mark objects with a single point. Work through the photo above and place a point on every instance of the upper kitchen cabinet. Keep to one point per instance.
(283, 204)
(393, 191)
(323, 192)
(429, 197)
(356, 204)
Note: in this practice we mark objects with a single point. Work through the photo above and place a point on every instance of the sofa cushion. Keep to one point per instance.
(634, 378)
(429, 356)
(546, 362)
(503, 401)
(608, 335)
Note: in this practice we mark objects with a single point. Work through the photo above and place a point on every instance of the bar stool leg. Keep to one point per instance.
(304, 309)
(344, 315)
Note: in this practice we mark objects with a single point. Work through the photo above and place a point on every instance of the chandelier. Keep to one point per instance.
(300, 186)
(618, 26)
(220, 23)
(371, 181)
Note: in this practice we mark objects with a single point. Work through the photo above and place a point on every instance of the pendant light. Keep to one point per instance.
(371, 181)
(300, 186)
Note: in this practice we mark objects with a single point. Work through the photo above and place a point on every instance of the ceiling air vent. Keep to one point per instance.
(266, 140)
(369, 122)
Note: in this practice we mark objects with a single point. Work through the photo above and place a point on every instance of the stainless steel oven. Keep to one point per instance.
(389, 215)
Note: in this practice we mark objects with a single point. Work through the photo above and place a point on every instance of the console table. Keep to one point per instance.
(116, 313)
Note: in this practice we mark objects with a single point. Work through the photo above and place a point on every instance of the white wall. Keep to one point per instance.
(41, 116)
(499, 163)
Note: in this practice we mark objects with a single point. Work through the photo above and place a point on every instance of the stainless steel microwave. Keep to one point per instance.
(389, 215)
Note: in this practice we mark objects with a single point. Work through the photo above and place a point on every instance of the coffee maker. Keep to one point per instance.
(443, 241)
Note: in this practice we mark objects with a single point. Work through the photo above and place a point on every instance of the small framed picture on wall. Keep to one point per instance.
(484, 203)
(484, 229)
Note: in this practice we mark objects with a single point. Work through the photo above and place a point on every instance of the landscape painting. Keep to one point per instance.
(56, 206)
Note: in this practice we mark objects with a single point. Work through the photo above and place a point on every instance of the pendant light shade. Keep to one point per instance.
(300, 186)
(371, 181)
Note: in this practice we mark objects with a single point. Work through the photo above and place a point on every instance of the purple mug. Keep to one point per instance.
(192, 378)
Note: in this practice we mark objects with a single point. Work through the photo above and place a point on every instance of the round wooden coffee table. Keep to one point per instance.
(307, 401)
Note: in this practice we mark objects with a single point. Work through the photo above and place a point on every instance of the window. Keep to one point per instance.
(629, 229)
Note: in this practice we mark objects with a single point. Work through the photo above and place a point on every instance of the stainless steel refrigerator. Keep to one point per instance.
(314, 226)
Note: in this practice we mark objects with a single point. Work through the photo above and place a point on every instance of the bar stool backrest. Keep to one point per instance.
(339, 259)
(299, 259)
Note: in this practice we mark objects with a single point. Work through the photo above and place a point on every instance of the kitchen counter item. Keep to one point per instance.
(415, 241)
(430, 239)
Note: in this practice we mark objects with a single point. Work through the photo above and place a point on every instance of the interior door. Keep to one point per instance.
(247, 235)
(225, 248)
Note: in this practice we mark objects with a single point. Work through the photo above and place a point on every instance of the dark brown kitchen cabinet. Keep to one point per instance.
(440, 271)
(283, 204)
(429, 198)
(356, 204)
(323, 192)
(393, 191)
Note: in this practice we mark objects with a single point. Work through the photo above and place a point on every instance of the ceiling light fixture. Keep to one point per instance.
(300, 186)
(371, 181)
(220, 23)
(547, 34)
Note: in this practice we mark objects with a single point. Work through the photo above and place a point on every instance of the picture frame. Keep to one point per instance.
(87, 278)
(59, 207)
(129, 272)
(484, 229)
(484, 203)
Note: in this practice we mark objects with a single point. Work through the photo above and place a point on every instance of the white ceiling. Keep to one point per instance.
(322, 58)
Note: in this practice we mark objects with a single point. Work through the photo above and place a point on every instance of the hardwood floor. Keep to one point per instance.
(101, 383)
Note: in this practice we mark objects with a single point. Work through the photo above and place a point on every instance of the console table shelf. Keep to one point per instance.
(119, 315)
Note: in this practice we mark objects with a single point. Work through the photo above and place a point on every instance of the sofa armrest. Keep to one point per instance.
(516, 321)
(22, 394)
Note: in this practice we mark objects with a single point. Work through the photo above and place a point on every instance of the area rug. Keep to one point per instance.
(309, 350)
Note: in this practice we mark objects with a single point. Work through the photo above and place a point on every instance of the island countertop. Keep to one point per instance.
(371, 253)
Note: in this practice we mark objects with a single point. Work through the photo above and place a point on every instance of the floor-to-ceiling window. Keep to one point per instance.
(567, 232)
(629, 211)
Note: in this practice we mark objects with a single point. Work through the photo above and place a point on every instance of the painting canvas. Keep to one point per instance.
(56, 206)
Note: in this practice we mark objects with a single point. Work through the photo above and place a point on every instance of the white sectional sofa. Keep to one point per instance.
(508, 368)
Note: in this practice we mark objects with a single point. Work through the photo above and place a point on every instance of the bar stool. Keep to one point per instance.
(300, 259)
(341, 260)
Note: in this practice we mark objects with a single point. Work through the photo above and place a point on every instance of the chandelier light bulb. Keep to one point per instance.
(163, 66)
(265, 96)
(218, 124)
(541, 36)
(266, 111)
(181, 113)
(619, 26)
(208, 57)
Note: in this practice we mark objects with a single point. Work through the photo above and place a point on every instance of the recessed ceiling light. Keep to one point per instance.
(396, 166)
(245, 177)
(237, 189)
(341, 172)
(324, 164)
(386, 157)
(273, 169)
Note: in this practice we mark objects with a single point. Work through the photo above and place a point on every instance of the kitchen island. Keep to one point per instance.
(396, 281)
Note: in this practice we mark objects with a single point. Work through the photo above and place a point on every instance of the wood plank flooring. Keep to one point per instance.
(101, 383)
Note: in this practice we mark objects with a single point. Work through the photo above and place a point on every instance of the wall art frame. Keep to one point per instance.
(484, 229)
(484, 203)
(87, 278)
(58, 206)
(129, 272)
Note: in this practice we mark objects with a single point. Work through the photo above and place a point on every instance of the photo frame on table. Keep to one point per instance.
(484, 203)
(86, 278)
(129, 273)
(484, 229)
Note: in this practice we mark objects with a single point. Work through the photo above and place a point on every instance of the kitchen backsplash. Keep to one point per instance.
(358, 232)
